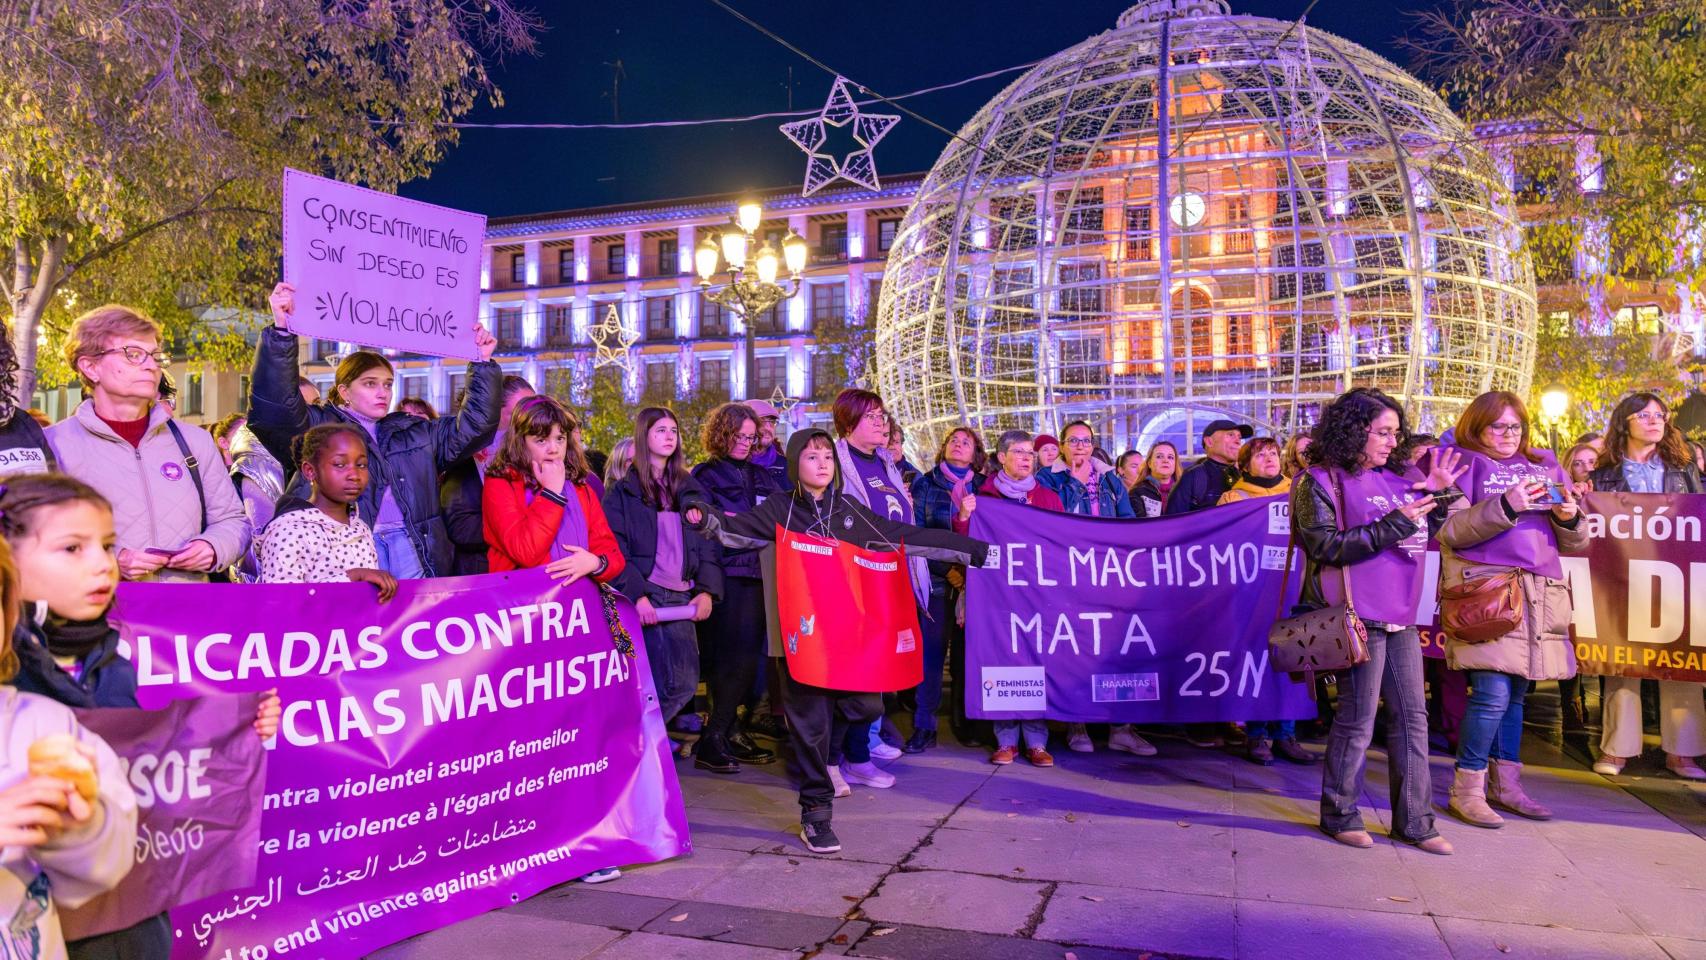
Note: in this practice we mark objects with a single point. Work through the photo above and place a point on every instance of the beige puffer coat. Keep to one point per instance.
(1541, 648)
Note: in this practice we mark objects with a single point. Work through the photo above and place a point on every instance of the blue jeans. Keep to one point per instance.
(397, 554)
(852, 741)
(1492, 724)
(1394, 669)
(1271, 729)
(933, 622)
(1035, 731)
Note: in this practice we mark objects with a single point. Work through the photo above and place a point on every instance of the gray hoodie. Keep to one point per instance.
(78, 864)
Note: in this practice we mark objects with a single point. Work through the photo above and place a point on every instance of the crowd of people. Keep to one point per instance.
(355, 487)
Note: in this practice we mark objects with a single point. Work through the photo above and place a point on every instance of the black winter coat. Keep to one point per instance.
(411, 452)
(1201, 487)
(736, 486)
(1145, 491)
(23, 446)
(459, 502)
(1314, 522)
(1610, 479)
(636, 527)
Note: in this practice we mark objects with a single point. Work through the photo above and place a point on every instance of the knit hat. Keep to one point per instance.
(1044, 440)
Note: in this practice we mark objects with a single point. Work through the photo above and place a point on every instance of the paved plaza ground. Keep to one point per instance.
(1190, 854)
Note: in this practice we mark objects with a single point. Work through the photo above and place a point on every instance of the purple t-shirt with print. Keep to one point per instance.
(1388, 586)
(1530, 545)
(884, 499)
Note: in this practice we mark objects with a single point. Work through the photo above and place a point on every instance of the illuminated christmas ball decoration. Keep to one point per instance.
(1198, 215)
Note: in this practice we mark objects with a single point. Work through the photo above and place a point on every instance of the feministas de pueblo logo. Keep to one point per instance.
(1017, 689)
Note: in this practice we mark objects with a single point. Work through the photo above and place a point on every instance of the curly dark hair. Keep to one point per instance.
(309, 445)
(1342, 433)
(717, 435)
(1673, 447)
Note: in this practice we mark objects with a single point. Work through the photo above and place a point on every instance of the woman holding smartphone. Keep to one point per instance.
(1517, 513)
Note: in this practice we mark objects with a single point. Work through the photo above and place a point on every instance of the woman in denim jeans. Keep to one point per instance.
(1366, 526)
(1509, 521)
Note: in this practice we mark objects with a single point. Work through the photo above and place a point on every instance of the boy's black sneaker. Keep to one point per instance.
(820, 837)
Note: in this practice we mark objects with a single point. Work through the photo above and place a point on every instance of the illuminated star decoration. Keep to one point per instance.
(611, 339)
(784, 404)
(838, 111)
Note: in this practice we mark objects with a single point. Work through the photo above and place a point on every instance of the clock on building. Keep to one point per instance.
(1187, 209)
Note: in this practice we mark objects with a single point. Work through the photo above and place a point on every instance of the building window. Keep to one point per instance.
(660, 318)
(1139, 233)
(770, 321)
(714, 378)
(1238, 344)
(518, 267)
(323, 349)
(1378, 252)
(508, 329)
(566, 265)
(1082, 302)
(616, 260)
(1644, 319)
(1557, 323)
(458, 390)
(1307, 276)
(829, 303)
(660, 380)
(1239, 239)
(886, 231)
(1083, 221)
(668, 263)
(834, 240)
(1081, 361)
(713, 318)
(559, 324)
(829, 375)
(772, 374)
(243, 390)
(189, 403)
(873, 297)
(414, 388)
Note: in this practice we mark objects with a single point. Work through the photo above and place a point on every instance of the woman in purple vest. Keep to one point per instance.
(1518, 511)
(1366, 526)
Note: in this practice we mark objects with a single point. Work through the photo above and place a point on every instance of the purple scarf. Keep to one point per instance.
(571, 532)
(1387, 587)
(1530, 545)
(959, 481)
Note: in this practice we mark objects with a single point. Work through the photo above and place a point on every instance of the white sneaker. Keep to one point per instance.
(868, 774)
(1078, 739)
(879, 748)
(1607, 766)
(839, 782)
(1124, 738)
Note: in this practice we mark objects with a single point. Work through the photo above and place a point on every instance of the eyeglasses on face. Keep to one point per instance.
(1505, 429)
(1078, 441)
(745, 437)
(876, 417)
(1648, 416)
(136, 355)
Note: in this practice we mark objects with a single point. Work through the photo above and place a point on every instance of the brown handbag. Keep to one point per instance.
(1325, 640)
(1484, 609)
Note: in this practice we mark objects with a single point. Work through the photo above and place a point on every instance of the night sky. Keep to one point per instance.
(688, 59)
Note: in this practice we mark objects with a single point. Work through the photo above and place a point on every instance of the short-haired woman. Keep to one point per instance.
(1506, 524)
(1645, 453)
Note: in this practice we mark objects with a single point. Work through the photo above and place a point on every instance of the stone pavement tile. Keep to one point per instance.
(759, 928)
(928, 943)
(746, 830)
(1661, 909)
(960, 901)
(1487, 940)
(797, 884)
(1308, 867)
(651, 946)
(869, 835)
(841, 942)
(1503, 876)
(745, 791)
(1283, 931)
(1679, 949)
(1181, 860)
(680, 877)
(510, 935)
(1140, 920)
(596, 905)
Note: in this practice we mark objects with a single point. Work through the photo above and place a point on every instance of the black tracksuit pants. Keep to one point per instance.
(812, 714)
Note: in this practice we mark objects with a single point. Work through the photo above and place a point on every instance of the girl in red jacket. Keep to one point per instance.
(538, 510)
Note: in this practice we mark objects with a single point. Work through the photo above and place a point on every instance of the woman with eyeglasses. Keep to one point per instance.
(1645, 453)
(1517, 513)
(175, 510)
(1364, 527)
(735, 635)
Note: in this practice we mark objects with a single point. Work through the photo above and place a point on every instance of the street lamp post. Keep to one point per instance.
(1554, 403)
(749, 293)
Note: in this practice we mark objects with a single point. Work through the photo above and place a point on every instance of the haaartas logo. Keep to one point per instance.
(1015, 688)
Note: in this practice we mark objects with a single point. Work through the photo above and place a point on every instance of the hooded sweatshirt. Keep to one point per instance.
(36, 882)
(836, 515)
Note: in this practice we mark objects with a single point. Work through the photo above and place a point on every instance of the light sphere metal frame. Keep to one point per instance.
(1200, 215)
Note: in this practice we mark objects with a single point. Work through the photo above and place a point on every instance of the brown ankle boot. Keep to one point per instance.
(1469, 799)
(1504, 789)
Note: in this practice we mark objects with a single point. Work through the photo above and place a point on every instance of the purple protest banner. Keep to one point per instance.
(377, 269)
(198, 770)
(1129, 621)
(468, 744)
